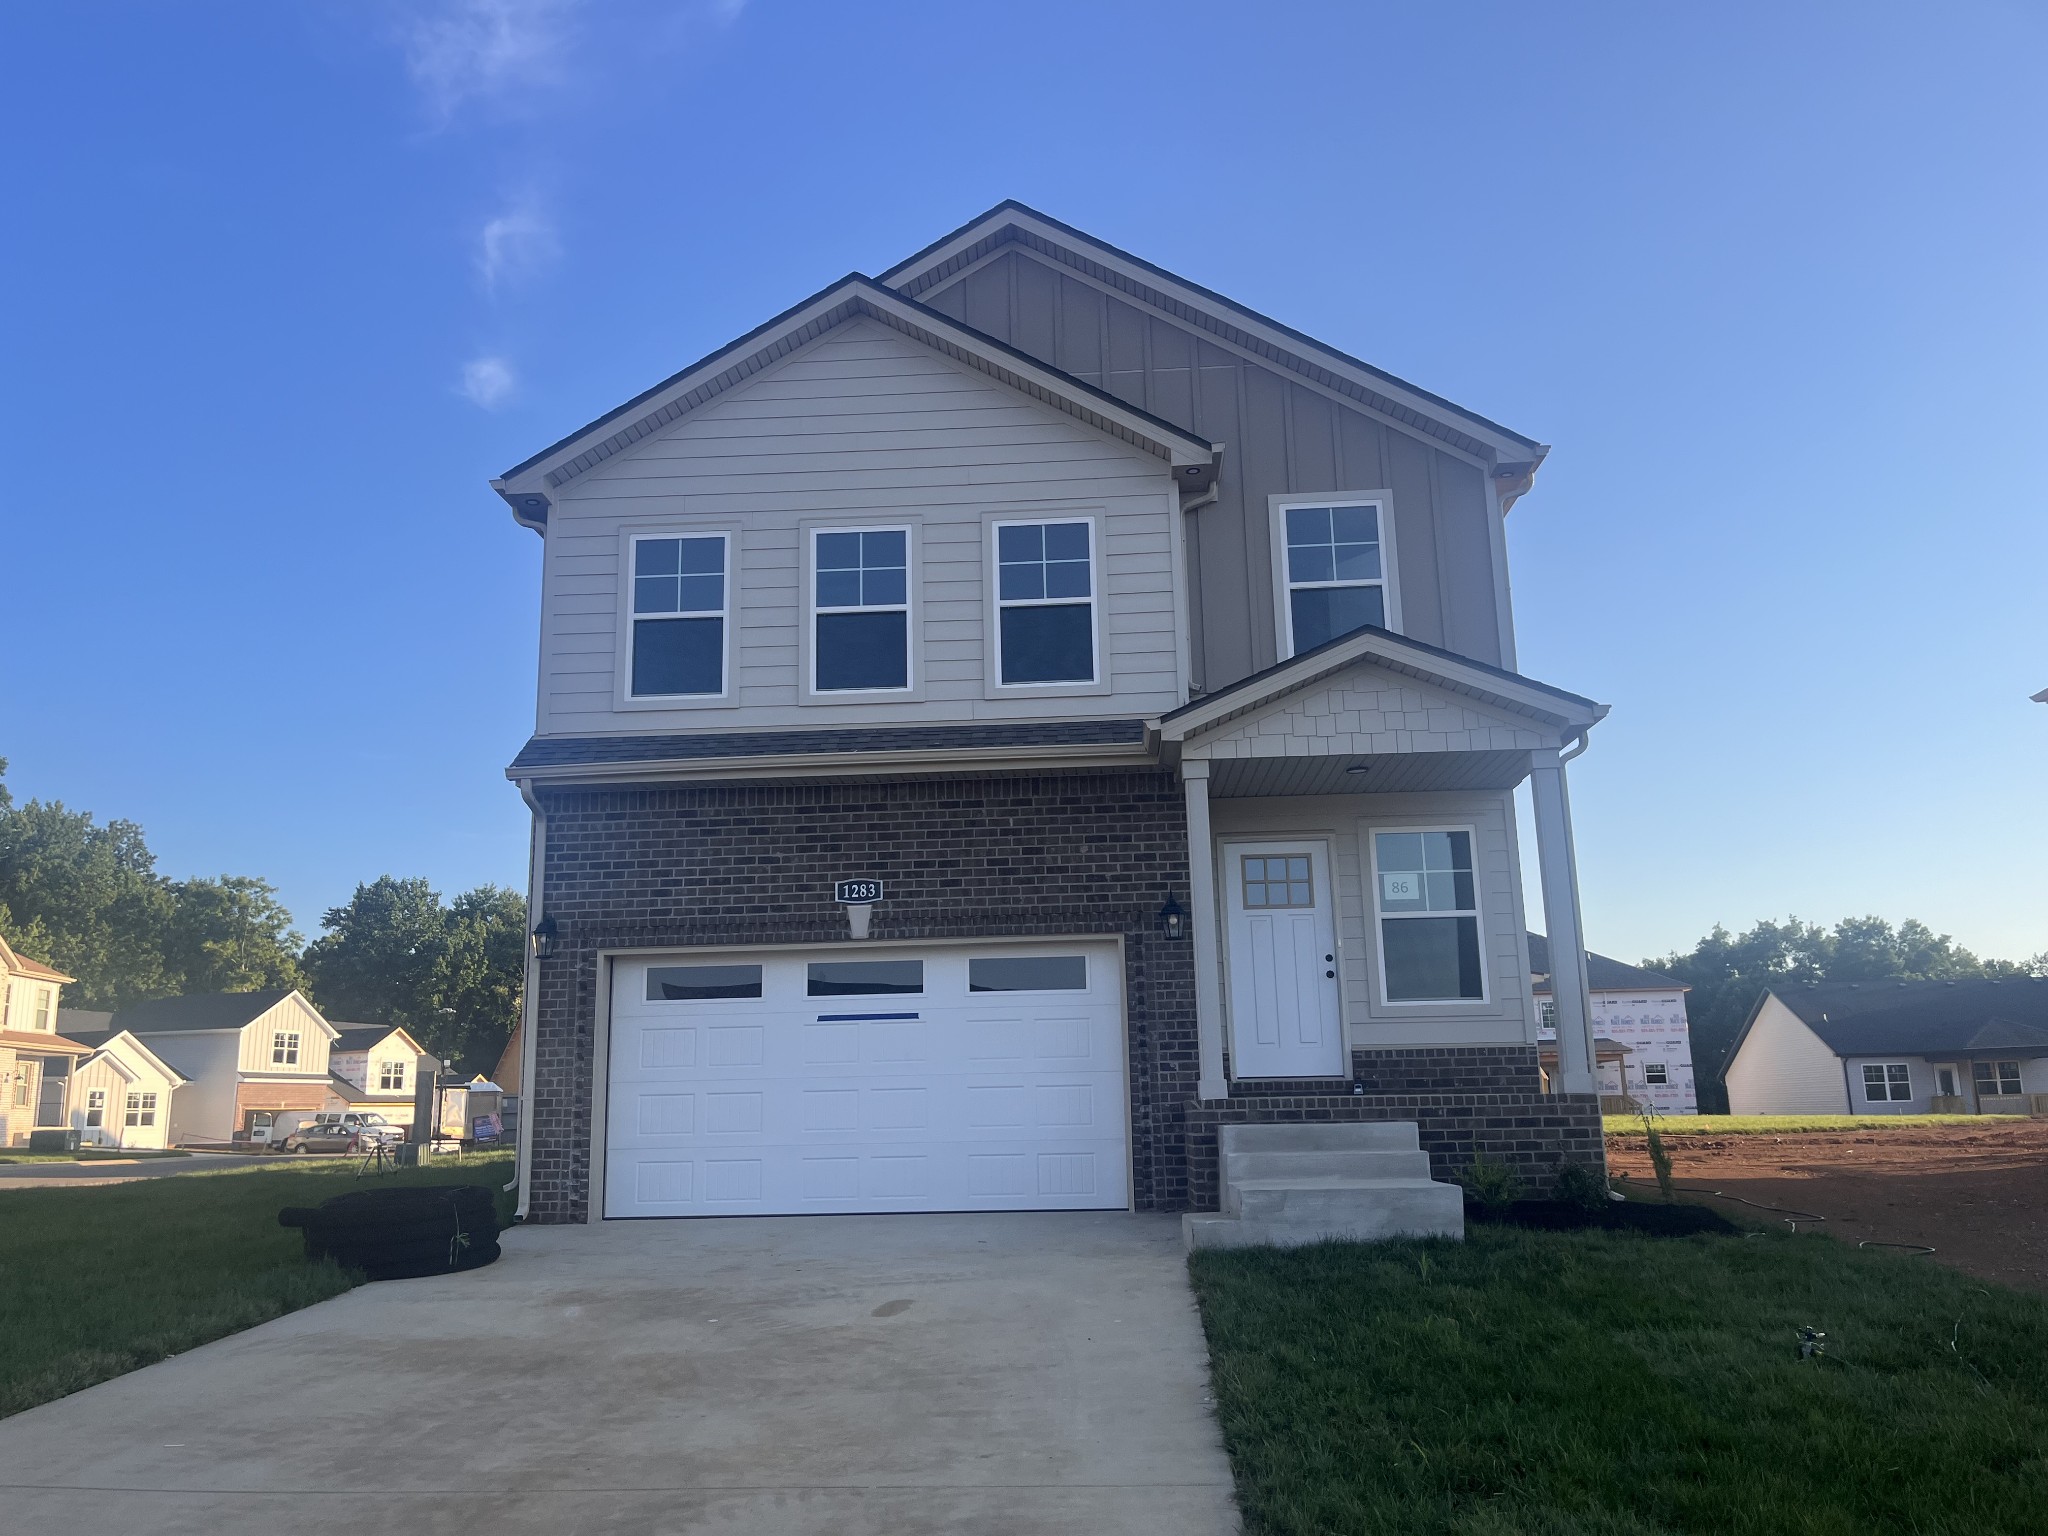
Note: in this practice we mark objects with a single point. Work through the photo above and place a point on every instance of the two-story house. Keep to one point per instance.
(1003, 721)
(374, 1068)
(245, 1057)
(36, 1062)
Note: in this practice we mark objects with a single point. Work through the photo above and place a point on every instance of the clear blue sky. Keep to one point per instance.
(285, 284)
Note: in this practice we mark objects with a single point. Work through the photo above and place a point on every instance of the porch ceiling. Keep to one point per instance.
(1386, 773)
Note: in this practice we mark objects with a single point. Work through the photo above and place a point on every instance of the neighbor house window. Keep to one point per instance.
(141, 1109)
(1546, 1012)
(1045, 608)
(95, 1107)
(1996, 1077)
(1654, 1074)
(1336, 571)
(391, 1076)
(1428, 904)
(284, 1049)
(45, 998)
(679, 616)
(1884, 1081)
(860, 622)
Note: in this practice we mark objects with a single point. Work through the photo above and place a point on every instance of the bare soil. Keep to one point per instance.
(1976, 1194)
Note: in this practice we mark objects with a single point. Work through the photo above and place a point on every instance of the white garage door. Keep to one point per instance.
(955, 1079)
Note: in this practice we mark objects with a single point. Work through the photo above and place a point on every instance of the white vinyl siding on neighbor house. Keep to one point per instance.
(863, 427)
(1348, 822)
(1784, 1068)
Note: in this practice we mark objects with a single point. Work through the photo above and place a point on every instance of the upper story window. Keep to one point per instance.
(391, 1076)
(860, 620)
(45, 1002)
(679, 616)
(284, 1048)
(1045, 602)
(1427, 896)
(1334, 562)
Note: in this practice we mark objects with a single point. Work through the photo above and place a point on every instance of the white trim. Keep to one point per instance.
(1098, 681)
(913, 673)
(1283, 589)
(1373, 832)
(1884, 1070)
(630, 540)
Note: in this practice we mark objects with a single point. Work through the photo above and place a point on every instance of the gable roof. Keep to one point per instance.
(1915, 1018)
(362, 1037)
(528, 487)
(206, 1010)
(1602, 974)
(1515, 457)
(114, 1043)
(1571, 712)
(20, 964)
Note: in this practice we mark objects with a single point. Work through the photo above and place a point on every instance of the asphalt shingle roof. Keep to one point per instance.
(1602, 974)
(1921, 1018)
(207, 1010)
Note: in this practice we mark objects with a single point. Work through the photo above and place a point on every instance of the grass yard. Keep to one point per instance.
(96, 1155)
(96, 1282)
(1598, 1383)
(1767, 1125)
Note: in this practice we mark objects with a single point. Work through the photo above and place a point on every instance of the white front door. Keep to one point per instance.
(1285, 1020)
(946, 1078)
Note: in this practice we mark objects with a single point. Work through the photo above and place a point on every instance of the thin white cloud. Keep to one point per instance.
(489, 381)
(515, 245)
(466, 50)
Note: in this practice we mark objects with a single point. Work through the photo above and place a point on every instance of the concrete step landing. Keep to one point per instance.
(1286, 1185)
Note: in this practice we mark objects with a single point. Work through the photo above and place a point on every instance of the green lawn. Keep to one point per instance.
(95, 1282)
(1550, 1383)
(1761, 1125)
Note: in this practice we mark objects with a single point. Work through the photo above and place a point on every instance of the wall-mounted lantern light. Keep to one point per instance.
(1173, 922)
(544, 938)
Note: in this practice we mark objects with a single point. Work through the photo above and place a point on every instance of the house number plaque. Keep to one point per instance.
(857, 893)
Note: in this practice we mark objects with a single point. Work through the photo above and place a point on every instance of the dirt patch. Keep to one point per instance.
(1977, 1194)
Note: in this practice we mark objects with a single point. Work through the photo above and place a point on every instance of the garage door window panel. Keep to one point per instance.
(864, 978)
(701, 983)
(1028, 973)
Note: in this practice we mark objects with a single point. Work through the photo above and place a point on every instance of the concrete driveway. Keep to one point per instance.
(842, 1374)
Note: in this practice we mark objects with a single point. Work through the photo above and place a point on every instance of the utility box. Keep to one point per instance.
(54, 1140)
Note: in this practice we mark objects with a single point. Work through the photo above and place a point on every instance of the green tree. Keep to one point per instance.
(230, 935)
(450, 975)
(1728, 972)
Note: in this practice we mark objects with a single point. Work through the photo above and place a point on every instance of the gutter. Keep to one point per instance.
(823, 764)
(522, 1161)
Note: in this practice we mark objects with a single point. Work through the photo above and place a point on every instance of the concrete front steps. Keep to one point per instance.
(1284, 1185)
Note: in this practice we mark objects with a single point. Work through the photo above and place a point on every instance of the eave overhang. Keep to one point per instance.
(529, 488)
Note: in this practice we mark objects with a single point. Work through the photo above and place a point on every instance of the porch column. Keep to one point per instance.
(1559, 869)
(1194, 777)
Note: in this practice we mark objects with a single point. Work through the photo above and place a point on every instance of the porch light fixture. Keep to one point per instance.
(1359, 768)
(544, 938)
(1173, 922)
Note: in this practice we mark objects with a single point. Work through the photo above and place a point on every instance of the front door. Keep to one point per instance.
(1285, 1020)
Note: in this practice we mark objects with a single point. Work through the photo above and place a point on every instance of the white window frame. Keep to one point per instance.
(1097, 584)
(1885, 1067)
(2018, 1072)
(386, 1070)
(46, 1004)
(1380, 919)
(630, 539)
(285, 1046)
(913, 688)
(141, 1110)
(1389, 583)
(95, 1104)
(1663, 1077)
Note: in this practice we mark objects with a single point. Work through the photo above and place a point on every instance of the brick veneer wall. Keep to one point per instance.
(1084, 852)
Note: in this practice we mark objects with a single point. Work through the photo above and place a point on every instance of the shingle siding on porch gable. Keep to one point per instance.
(1367, 712)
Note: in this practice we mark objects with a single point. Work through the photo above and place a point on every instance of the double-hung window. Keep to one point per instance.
(679, 616)
(1427, 899)
(44, 999)
(95, 1107)
(141, 1109)
(1335, 562)
(1996, 1077)
(391, 1076)
(860, 622)
(1655, 1075)
(1885, 1081)
(284, 1048)
(1045, 603)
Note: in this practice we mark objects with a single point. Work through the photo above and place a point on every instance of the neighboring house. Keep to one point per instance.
(36, 1062)
(1003, 721)
(1900, 1048)
(1641, 1015)
(246, 1057)
(121, 1093)
(374, 1067)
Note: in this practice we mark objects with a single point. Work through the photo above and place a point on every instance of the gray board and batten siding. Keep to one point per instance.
(1281, 434)
(862, 426)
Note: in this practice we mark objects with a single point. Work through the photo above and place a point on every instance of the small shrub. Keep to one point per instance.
(1660, 1159)
(1490, 1184)
(1580, 1188)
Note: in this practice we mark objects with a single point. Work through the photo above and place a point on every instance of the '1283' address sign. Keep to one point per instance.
(857, 892)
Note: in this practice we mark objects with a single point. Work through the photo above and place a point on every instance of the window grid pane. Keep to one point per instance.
(683, 575)
(869, 569)
(1273, 880)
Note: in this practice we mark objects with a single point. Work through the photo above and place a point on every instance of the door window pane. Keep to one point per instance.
(1032, 973)
(865, 978)
(1277, 880)
(701, 983)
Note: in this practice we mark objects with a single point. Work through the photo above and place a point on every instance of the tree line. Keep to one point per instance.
(85, 897)
(1728, 972)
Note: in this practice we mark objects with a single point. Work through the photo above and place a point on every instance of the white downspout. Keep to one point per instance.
(536, 853)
